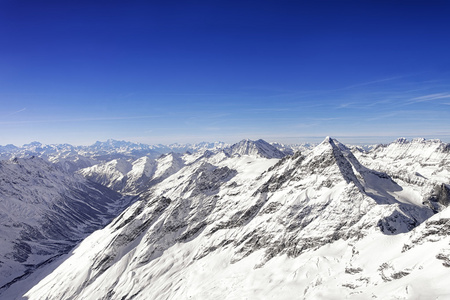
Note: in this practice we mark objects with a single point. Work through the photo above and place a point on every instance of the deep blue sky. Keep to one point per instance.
(188, 71)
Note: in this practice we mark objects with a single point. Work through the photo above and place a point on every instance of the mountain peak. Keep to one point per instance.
(331, 158)
(259, 148)
(328, 144)
(333, 142)
(401, 140)
(33, 144)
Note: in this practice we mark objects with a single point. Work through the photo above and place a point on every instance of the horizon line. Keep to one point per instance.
(317, 139)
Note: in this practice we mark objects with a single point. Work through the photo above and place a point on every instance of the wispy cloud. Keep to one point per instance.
(311, 93)
(430, 97)
(385, 116)
(373, 82)
(305, 125)
(380, 102)
(345, 105)
(416, 116)
(18, 111)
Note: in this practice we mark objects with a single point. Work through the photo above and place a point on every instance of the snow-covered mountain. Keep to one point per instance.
(74, 158)
(250, 222)
(290, 149)
(44, 212)
(8, 149)
(257, 148)
(128, 176)
(132, 177)
(421, 165)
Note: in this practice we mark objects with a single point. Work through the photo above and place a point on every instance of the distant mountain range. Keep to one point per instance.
(111, 149)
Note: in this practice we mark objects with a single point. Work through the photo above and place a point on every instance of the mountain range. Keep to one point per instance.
(119, 220)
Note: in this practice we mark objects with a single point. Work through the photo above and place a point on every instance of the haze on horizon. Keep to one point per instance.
(287, 71)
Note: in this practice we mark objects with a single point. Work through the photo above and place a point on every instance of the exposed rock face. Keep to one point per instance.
(45, 211)
(440, 194)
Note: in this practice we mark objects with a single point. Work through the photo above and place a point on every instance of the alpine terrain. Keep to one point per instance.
(252, 220)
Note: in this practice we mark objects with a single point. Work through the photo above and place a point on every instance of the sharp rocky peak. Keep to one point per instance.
(333, 143)
(401, 140)
(331, 147)
(330, 160)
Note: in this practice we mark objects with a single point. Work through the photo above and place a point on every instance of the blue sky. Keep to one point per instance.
(288, 71)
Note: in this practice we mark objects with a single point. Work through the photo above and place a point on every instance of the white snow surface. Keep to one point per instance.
(134, 176)
(44, 210)
(250, 223)
(74, 158)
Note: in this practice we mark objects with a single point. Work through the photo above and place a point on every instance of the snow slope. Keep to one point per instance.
(131, 177)
(134, 176)
(234, 225)
(77, 157)
(421, 166)
(44, 212)
(257, 148)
